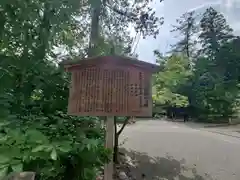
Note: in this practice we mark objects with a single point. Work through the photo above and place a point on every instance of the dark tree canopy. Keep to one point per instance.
(211, 86)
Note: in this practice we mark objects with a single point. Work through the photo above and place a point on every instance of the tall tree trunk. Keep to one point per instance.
(93, 39)
(94, 35)
(188, 40)
(115, 150)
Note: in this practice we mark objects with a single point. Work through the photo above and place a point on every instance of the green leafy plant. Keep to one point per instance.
(46, 147)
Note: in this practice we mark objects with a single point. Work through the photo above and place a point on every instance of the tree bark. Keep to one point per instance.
(94, 35)
(115, 150)
(116, 139)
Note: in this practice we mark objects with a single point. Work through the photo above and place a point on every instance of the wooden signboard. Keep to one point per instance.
(110, 86)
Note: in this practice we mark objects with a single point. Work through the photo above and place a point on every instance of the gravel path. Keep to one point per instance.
(176, 151)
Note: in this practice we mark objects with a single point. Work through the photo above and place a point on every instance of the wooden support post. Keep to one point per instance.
(108, 168)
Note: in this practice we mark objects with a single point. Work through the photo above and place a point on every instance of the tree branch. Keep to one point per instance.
(131, 15)
(124, 124)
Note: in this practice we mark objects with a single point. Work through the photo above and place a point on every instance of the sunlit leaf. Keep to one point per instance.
(4, 159)
(54, 154)
(3, 138)
(3, 171)
(17, 167)
(65, 147)
(36, 136)
(42, 148)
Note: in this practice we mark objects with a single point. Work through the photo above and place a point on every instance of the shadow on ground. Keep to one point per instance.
(161, 168)
(198, 125)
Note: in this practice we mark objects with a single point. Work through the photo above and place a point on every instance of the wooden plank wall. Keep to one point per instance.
(111, 91)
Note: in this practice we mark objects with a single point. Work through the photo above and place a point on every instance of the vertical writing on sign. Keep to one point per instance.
(140, 89)
(106, 91)
(105, 86)
(127, 92)
(98, 95)
(146, 91)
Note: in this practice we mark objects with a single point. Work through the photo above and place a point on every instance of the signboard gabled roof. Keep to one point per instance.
(116, 60)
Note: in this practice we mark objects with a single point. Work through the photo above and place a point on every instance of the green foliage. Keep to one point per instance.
(214, 32)
(212, 85)
(170, 79)
(35, 132)
(51, 145)
(215, 78)
(37, 135)
(186, 27)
